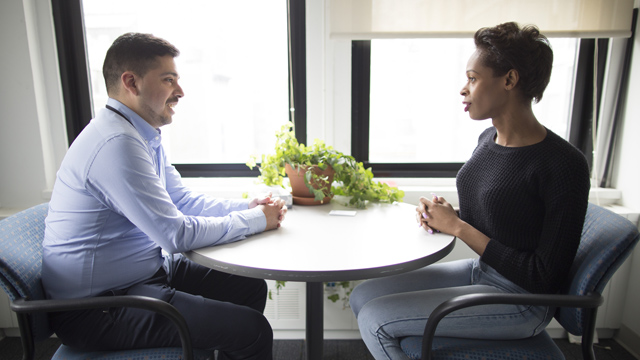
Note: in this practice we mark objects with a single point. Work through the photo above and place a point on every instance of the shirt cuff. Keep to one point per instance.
(256, 219)
(238, 204)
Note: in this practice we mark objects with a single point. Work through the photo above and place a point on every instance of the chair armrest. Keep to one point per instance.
(134, 301)
(591, 300)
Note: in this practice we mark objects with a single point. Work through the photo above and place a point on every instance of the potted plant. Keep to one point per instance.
(321, 166)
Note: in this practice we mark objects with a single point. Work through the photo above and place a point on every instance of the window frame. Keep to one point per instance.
(74, 73)
(579, 131)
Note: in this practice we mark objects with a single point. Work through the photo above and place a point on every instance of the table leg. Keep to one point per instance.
(315, 321)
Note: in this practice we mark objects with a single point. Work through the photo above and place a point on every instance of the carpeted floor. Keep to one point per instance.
(607, 349)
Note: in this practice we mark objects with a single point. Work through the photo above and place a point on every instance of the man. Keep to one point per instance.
(117, 203)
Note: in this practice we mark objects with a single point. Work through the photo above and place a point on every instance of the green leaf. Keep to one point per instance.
(351, 176)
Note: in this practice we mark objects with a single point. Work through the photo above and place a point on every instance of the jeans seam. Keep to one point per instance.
(377, 331)
(546, 313)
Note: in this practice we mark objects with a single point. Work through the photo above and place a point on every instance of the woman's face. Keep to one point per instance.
(484, 94)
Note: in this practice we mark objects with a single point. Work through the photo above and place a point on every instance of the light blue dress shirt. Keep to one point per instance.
(117, 202)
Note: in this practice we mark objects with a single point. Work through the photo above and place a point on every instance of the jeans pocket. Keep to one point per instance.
(489, 276)
(475, 271)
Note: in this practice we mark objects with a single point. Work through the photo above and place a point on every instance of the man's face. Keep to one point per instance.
(159, 92)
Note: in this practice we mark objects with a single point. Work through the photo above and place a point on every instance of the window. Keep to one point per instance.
(233, 67)
(414, 96)
(239, 64)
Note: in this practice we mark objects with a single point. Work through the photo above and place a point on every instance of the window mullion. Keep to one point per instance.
(73, 64)
(360, 90)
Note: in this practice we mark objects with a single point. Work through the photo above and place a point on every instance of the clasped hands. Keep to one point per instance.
(274, 210)
(435, 214)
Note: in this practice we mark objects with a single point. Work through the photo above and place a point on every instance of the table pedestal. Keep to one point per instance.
(315, 321)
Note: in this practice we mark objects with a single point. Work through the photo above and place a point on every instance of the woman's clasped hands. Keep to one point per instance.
(436, 215)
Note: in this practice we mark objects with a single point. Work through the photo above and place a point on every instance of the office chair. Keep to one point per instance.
(607, 240)
(21, 237)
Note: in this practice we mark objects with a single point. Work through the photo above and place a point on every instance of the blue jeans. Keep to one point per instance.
(394, 307)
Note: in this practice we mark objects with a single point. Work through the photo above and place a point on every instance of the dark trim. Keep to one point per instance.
(216, 170)
(621, 103)
(360, 98)
(74, 70)
(414, 170)
(298, 47)
(580, 131)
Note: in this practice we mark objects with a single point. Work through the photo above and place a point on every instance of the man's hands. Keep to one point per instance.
(274, 210)
(260, 201)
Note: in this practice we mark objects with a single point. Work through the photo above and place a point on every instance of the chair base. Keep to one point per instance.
(68, 353)
(539, 347)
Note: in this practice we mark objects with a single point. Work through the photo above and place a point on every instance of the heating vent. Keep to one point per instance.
(284, 305)
(286, 308)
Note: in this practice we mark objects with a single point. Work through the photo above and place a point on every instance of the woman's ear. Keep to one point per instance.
(511, 79)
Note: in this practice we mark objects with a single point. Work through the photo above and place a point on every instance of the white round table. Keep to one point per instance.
(315, 246)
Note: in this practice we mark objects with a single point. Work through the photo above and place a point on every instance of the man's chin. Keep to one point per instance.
(166, 120)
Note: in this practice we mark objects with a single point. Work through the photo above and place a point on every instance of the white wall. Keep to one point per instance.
(32, 130)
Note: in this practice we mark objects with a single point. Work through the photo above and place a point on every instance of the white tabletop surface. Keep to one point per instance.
(314, 246)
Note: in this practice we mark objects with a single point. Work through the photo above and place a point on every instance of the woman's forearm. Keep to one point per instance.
(471, 236)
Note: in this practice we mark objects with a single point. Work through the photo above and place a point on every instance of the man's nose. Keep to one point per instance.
(179, 93)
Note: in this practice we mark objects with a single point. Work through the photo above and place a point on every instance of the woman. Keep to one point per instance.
(523, 197)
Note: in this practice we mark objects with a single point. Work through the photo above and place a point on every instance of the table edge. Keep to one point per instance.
(320, 275)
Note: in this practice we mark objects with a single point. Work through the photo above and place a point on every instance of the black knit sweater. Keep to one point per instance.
(531, 202)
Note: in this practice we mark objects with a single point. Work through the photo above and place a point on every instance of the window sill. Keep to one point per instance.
(414, 188)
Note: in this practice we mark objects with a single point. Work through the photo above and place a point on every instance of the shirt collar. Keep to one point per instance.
(151, 135)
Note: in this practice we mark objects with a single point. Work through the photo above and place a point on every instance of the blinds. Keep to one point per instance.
(386, 19)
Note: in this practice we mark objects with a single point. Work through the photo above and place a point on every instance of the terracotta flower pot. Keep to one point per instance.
(299, 190)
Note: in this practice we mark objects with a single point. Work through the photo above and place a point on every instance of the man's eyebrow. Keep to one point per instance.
(169, 73)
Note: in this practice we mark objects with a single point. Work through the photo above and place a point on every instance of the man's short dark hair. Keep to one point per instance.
(507, 46)
(134, 52)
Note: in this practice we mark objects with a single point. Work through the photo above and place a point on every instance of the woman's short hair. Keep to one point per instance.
(134, 52)
(507, 46)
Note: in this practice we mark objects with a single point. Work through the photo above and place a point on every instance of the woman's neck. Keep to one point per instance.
(519, 128)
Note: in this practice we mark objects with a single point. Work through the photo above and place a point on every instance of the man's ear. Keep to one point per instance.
(129, 82)
(511, 79)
